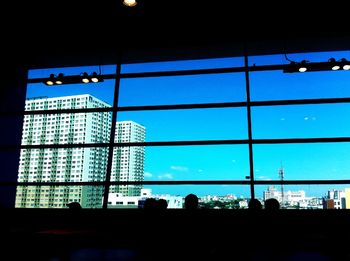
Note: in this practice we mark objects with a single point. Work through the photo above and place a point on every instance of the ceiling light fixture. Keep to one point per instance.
(85, 78)
(73, 79)
(345, 64)
(51, 80)
(334, 64)
(129, 2)
(305, 66)
(59, 79)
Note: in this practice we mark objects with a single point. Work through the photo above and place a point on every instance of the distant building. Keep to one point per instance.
(128, 161)
(75, 164)
(347, 198)
(290, 198)
(117, 200)
(335, 199)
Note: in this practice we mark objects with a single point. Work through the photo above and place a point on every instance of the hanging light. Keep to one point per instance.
(129, 2)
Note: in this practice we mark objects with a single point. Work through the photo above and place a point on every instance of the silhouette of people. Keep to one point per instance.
(162, 203)
(254, 204)
(150, 203)
(191, 201)
(74, 205)
(272, 204)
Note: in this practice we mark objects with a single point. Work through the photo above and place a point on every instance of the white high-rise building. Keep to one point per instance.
(128, 162)
(73, 164)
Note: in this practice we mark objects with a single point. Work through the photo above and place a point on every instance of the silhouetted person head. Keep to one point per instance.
(272, 204)
(150, 203)
(254, 204)
(162, 203)
(74, 205)
(191, 201)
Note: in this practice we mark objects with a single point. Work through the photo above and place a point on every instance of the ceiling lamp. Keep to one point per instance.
(302, 66)
(345, 63)
(85, 78)
(129, 2)
(94, 77)
(59, 79)
(334, 64)
(51, 80)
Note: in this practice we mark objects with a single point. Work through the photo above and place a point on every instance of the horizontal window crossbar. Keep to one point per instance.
(178, 73)
(181, 182)
(178, 143)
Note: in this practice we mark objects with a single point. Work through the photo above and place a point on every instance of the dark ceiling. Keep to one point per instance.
(43, 33)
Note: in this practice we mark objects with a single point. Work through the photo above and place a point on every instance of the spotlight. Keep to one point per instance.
(85, 78)
(334, 64)
(345, 63)
(59, 79)
(51, 80)
(94, 77)
(302, 66)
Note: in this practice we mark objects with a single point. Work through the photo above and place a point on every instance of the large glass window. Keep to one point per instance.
(168, 129)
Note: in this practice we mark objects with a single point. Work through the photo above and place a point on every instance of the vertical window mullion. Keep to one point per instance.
(112, 135)
(249, 119)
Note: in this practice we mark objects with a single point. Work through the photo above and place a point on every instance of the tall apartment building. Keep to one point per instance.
(73, 164)
(128, 162)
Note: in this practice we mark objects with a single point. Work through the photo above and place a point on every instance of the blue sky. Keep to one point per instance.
(229, 162)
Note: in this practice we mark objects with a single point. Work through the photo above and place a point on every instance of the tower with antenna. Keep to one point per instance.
(281, 176)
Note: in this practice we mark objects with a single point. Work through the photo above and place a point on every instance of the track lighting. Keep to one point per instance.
(305, 66)
(73, 79)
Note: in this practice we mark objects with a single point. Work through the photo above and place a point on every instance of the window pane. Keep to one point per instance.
(313, 161)
(307, 196)
(195, 89)
(190, 124)
(63, 165)
(209, 196)
(59, 196)
(205, 162)
(276, 85)
(183, 65)
(66, 128)
(301, 121)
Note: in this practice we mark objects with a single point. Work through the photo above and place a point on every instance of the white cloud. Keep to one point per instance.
(166, 176)
(148, 174)
(264, 178)
(282, 119)
(257, 170)
(234, 161)
(179, 168)
(306, 118)
(200, 170)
